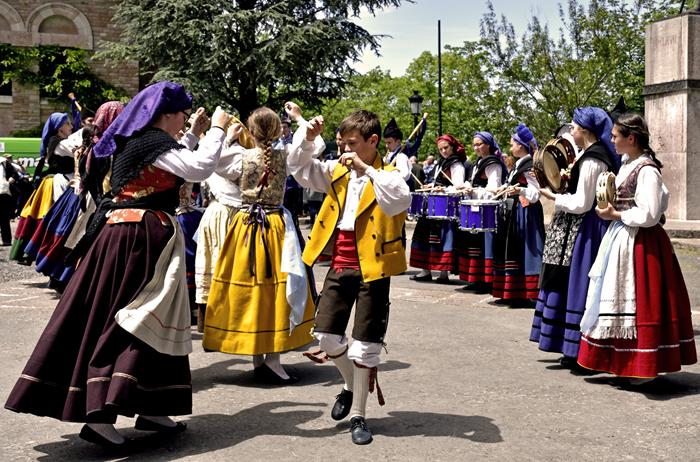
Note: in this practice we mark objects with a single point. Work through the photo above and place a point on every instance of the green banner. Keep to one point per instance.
(24, 151)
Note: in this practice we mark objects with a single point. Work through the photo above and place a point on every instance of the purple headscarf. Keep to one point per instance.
(488, 138)
(524, 136)
(147, 105)
(597, 121)
(51, 126)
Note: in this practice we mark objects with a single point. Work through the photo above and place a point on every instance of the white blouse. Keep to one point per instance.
(190, 165)
(532, 192)
(651, 195)
(582, 200)
(402, 164)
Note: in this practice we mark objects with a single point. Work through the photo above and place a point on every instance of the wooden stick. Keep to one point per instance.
(448, 178)
(415, 130)
(417, 180)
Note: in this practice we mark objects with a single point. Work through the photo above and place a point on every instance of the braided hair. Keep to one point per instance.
(634, 124)
(266, 127)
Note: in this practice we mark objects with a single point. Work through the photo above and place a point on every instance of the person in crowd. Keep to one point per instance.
(119, 338)
(432, 246)
(362, 220)
(572, 239)
(520, 239)
(637, 323)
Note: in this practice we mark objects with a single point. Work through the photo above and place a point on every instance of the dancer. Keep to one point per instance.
(572, 240)
(637, 322)
(362, 220)
(261, 297)
(118, 340)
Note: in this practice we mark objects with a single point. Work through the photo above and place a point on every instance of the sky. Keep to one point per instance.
(413, 27)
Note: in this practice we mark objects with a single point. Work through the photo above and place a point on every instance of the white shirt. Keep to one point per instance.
(401, 163)
(582, 200)
(532, 192)
(651, 195)
(223, 183)
(66, 146)
(390, 189)
(194, 166)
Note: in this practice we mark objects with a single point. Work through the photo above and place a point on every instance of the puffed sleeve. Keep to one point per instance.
(651, 198)
(302, 163)
(582, 200)
(194, 166)
(390, 189)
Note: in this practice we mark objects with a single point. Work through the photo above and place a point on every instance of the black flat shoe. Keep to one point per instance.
(427, 277)
(146, 425)
(359, 431)
(263, 374)
(442, 280)
(91, 436)
(343, 403)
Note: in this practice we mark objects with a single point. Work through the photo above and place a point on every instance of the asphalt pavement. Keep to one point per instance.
(460, 378)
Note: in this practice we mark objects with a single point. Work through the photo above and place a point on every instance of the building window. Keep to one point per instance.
(58, 25)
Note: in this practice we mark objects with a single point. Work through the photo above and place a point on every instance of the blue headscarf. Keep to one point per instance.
(488, 138)
(524, 136)
(53, 123)
(142, 111)
(597, 121)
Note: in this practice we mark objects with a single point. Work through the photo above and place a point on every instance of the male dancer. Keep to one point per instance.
(362, 218)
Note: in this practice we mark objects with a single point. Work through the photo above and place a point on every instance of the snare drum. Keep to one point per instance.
(418, 204)
(443, 206)
(478, 215)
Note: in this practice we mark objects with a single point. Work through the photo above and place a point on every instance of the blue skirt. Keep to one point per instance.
(556, 326)
(189, 222)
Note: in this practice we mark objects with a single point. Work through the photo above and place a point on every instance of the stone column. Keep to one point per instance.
(672, 107)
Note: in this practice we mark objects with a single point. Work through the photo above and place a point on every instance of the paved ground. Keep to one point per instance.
(460, 378)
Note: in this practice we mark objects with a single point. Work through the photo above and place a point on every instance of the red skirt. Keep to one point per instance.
(665, 339)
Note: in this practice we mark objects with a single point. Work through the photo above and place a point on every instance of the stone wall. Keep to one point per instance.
(75, 23)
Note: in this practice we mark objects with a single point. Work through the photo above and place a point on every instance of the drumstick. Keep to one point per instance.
(417, 180)
(448, 178)
(415, 130)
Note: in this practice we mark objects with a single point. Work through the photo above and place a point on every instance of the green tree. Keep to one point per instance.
(247, 53)
(597, 57)
(56, 71)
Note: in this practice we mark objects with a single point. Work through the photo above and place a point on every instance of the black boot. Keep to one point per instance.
(359, 431)
(342, 405)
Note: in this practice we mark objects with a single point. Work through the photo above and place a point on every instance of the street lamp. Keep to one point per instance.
(416, 101)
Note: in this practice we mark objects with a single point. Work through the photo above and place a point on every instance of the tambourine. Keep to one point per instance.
(548, 162)
(605, 192)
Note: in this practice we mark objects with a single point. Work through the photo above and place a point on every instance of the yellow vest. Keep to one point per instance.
(380, 238)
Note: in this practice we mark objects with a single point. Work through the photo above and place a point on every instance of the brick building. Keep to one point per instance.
(73, 23)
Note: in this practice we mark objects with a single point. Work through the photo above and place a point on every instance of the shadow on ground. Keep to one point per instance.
(211, 432)
(663, 388)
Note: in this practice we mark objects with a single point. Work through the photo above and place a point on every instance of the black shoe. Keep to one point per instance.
(263, 374)
(359, 431)
(146, 425)
(91, 436)
(442, 280)
(427, 277)
(342, 405)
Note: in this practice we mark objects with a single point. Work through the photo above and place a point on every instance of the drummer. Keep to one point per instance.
(520, 239)
(573, 239)
(475, 251)
(432, 246)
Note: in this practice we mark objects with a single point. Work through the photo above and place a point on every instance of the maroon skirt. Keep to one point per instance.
(665, 338)
(85, 367)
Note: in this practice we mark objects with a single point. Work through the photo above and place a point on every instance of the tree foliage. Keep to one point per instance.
(56, 71)
(247, 53)
(596, 57)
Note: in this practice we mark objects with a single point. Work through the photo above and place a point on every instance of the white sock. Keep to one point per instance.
(424, 272)
(273, 362)
(258, 360)
(360, 391)
(346, 368)
(163, 420)
(108, 432)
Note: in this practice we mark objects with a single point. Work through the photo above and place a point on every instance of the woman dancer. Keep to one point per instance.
(432, 246)
(573, 238)
(520, 240)
(118, 340)
(637, 322)
(261, 299)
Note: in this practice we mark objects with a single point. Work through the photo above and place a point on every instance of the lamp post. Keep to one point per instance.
(416, 101)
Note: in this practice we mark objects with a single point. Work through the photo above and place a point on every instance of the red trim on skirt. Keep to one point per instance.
(432, 260)
(515, 287)
(475, 270)
(665, 338)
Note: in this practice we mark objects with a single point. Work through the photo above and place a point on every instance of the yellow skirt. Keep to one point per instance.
(247, 311)
(40, 201)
